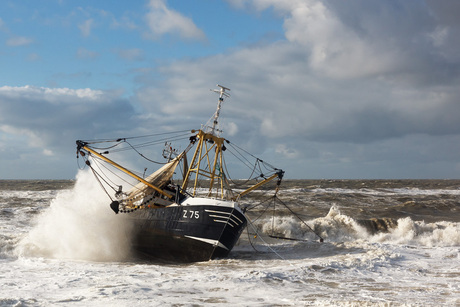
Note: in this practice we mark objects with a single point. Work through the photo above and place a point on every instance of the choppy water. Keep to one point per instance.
(61, 245)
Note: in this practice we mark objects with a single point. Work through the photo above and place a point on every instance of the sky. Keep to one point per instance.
(358, 89)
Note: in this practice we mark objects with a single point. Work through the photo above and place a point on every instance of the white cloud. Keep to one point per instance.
(33, 57)
(3, 27)
(47, 117)
(345, 80)
(18, 41)
(83, 53)
(161, 20)
(230, 129)
(287, 152)
(124, 23)
(41, 125)
(356, 89)
(54, 95)
(134, 54)
(86, 27)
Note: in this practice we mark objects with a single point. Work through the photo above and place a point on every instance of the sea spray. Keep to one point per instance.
(411, 232)
(337, 227)
(78, 224)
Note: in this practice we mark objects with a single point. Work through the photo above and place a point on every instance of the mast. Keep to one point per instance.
(207, 159)
(215, 124)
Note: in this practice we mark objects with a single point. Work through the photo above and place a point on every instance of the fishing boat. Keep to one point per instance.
(197, 217)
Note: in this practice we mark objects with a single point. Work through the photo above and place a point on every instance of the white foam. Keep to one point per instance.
(351, 268)
(375, 192)
(79, 224)
(338, 227)
(420, 233)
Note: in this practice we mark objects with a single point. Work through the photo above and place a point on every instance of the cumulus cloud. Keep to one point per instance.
(49, 117)
(335, 79)
(162, 20)
(39, 126)
(355, 88)
(354, 73)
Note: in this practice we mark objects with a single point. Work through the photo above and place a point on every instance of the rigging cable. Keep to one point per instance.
(140, 154)
(98, 178)
(266, 244)
(95, 141)
(240, 157)
(99, 165)
(320, 238)
(156, 142)
(253, 166)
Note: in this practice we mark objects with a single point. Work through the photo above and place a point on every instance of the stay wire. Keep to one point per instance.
(266, 244)
(261, 203)
(254, 166)
(104, 165)
(242, 158)
(155, 142)
(95, 141)
(247, 163)
(105, 148)
(296, 215)
(98, 178)
(265, 163)
(140, 154)
(228, 173)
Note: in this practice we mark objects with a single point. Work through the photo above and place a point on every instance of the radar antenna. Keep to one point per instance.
(222, 95)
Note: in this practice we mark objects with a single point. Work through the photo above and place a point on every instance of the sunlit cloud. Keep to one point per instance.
(162, 20)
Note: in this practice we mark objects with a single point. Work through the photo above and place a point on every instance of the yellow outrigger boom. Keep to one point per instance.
(278, 174)
(82, 145)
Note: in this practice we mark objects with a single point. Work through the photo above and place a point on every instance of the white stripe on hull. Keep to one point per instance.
(209, 241)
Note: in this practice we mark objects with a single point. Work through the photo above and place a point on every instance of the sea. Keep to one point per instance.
(313, 243)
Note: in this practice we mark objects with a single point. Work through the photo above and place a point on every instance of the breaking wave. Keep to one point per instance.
(78, 225)
(338, 227)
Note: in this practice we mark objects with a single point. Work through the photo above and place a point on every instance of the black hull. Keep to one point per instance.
(189, 233)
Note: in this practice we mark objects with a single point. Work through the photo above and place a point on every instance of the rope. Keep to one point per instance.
(104, 165)
(98, 178)
(320, 238)
(95, 141)
(140, 154)
(258, 236)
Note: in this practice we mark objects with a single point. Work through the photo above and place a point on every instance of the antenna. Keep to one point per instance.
(222, 94)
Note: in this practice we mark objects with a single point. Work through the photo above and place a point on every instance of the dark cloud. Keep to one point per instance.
(358, 73)
(53, 114)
